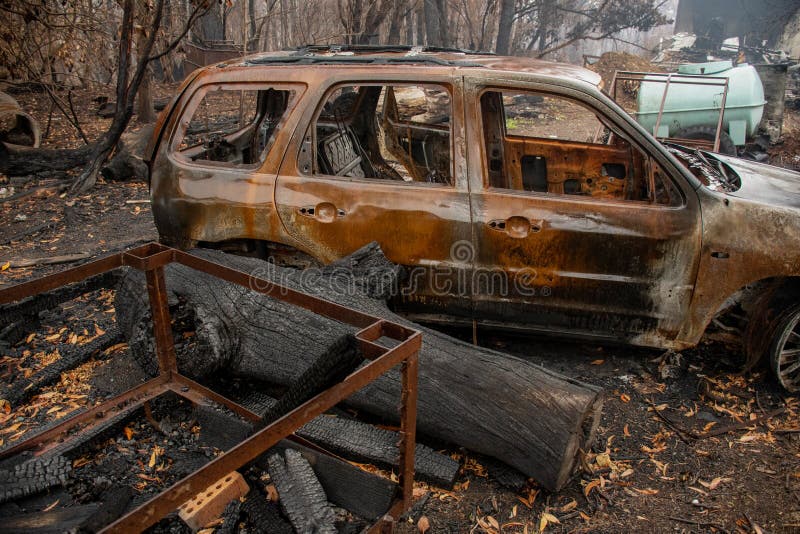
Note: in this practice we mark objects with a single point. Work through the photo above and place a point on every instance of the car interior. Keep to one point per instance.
(385, 132)
(546, 144)
(234, 127)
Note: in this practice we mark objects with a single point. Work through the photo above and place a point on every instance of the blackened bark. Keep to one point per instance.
(504, 27)
(21, 161)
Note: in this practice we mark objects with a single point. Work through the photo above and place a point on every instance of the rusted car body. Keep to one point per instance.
(615, 237)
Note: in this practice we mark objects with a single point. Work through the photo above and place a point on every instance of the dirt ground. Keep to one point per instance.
(686, 443)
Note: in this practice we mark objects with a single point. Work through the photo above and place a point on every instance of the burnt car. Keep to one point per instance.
(517, 194)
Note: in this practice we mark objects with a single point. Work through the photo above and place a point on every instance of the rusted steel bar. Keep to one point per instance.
(150, 512)
(149, 256)
(56, 280)
(151, 259)
(162, 324)
(408, 427)
(721, 116)
(191, 390)
(661, 107)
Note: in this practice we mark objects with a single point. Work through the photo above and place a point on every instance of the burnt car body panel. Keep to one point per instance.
(630, 271)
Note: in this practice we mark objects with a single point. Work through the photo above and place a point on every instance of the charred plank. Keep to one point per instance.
(366, 443)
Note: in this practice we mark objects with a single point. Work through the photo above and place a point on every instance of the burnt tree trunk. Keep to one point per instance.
(505, 25)
(17, 160)
(490, 402)
(127, 163)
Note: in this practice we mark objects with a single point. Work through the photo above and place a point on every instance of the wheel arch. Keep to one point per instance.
(776, 296)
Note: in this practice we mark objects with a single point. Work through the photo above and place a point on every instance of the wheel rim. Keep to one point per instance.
(787, 356)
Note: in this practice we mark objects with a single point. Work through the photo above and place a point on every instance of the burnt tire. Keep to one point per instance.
(784, 348)
(708, 133)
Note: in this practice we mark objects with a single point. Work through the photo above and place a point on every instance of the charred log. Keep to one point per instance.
(366, 443)
(21, 161)
(127, 163)
(33, 475)
(22, 388)
(263, 516)
(70, 519)
(332, 367)
(21, 317)
(366, 495)
(301, 495)
(493, 403)
(230, 518)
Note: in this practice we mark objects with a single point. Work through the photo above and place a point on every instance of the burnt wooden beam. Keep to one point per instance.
(363, 442)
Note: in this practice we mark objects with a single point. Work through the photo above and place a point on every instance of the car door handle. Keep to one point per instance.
(324, 212)
(515, 226)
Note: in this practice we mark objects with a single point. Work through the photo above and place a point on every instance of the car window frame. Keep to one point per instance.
(586, 100)
(193, 102)
(311, 132)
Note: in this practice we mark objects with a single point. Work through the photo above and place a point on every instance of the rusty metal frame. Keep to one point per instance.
(682, 79)
(152, 258)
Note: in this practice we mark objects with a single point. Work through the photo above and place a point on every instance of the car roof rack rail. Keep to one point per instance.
(378, 48)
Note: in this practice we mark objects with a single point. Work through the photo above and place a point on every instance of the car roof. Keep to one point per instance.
(339, 56)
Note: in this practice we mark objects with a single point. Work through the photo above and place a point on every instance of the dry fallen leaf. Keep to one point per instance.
(528, 501)
(626, 431)
(5, 406)
(128, 433)
(5, 266)
(423, 525)
(546, 519)
(81, 461)
(598, 362)
(604, 460)
(569, 506)
(714, 483)
(625, 397)
(153, 457)
(590, 486)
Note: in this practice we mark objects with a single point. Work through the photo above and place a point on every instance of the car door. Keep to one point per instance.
(578, 228)
(374, 167)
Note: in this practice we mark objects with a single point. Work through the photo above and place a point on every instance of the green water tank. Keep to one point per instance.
(698, 105)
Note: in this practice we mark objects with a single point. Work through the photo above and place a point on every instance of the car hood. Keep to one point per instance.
(765, 183)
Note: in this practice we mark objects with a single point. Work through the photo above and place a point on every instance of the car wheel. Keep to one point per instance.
(784, 350)
(707, 133)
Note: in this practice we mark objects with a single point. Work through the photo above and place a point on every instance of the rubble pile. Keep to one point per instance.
(611, 62)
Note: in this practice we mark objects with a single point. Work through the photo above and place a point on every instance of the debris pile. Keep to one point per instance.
(210, 455)
(611, 62)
